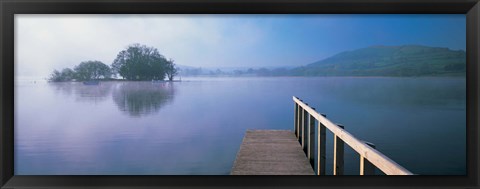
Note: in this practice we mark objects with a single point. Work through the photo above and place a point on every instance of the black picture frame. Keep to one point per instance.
(8, 8)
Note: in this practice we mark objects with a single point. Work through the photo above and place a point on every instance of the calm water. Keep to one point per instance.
(196, 126)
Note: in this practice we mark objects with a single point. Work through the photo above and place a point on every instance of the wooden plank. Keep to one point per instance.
(378, 159)
(271, 152)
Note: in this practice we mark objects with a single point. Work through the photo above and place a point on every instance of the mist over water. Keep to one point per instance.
(196, 126)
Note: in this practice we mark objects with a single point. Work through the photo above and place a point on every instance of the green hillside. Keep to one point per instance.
(408, 60)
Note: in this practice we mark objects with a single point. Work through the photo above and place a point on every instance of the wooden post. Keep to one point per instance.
(321, 148)
(300, 124)
(304, 130)
(295, 120)
(338, 154)
(342, 137)
(367, 168)
(311, 139)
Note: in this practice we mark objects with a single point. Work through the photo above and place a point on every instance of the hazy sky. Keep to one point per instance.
(47, 42)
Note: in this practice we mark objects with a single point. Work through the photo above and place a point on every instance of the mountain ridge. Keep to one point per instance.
(380, 60)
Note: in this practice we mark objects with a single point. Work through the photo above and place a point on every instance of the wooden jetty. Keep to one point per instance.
(280, 152)
(271, 152)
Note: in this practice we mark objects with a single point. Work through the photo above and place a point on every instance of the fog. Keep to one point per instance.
(47, 42)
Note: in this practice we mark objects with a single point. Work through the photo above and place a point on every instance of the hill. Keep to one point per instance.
(408, 60)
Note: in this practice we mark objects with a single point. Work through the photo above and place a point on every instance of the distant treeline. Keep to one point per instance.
(236, 72)
(137, 62)
(407, 60)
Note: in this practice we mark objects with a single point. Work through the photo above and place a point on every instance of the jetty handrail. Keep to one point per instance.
(363, 148)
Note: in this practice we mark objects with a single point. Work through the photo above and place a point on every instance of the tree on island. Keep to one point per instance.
(139, 62)
(171, 69)
(88, 70)
(66, 74)
(92, 70)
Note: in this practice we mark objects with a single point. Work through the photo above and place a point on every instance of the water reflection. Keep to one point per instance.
(404, 117)
(399, 91)
(81, 92)
(142, 98)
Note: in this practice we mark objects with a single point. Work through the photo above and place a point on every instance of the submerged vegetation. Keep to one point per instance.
(137, 62)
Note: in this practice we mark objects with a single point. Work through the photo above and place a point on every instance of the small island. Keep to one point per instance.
(136, 63)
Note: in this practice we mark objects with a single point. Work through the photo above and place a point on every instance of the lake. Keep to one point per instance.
(196, 126)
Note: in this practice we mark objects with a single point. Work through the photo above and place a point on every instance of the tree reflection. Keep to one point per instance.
(142, 98)
(81, 92)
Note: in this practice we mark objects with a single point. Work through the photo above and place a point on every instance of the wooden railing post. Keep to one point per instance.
(300, 124)
(367, 168)
(321, 148)
(341, 137)
(299, 118)
(338, 154)
(295, 120)
(311, 139)
(304, 130)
